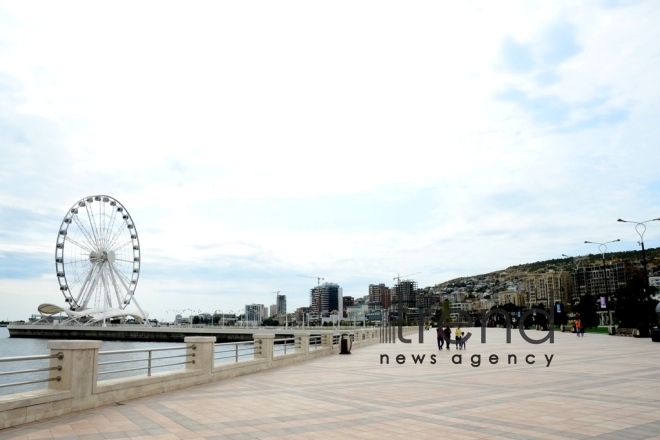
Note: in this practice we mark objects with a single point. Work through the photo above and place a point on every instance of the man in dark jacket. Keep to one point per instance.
(447, 332)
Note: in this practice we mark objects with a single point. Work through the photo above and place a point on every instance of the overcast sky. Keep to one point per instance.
(253, 142)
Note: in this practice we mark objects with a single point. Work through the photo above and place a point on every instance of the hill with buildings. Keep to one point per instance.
(513, 274)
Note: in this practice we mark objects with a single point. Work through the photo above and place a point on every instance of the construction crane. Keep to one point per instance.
(398, 278)
(318, 290)
(277, 294)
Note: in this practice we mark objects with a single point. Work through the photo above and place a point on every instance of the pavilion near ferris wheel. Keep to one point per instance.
(97, 261)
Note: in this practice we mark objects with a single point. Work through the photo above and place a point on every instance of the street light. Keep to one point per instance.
(602, 247)
(221, 313)
(239, 312)
(641, 237)
(576, 262)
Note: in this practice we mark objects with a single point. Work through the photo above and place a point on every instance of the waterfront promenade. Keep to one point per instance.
(598, 386)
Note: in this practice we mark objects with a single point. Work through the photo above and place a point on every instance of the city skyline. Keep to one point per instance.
(378, 140)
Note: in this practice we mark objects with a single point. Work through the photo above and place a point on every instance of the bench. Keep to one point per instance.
(627, 332)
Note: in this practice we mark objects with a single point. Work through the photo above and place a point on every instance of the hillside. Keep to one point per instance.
(557, 264)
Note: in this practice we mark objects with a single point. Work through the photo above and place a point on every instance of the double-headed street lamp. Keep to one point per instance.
(576, 262)
(602, 247)
(640, 228)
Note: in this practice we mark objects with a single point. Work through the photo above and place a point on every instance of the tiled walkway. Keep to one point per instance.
(598, 386)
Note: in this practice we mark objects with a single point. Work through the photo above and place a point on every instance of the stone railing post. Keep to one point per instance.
(302, 343)
(326, 340)
(200, 352)
(80, 360)
(263, 346)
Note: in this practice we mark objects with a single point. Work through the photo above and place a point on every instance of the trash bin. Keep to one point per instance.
(346, 344)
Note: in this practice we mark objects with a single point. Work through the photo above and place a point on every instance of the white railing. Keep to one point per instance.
(280, 346)
(152, 362)
(58, 356)
(234, 350)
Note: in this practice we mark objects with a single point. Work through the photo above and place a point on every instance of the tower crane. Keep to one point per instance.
(398, 278)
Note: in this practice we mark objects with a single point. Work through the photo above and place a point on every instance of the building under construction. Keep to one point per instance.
(331, 299)
(406, 292)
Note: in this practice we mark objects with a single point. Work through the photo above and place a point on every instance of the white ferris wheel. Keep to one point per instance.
(97, 260)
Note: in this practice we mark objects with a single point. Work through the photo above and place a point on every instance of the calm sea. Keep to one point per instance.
(14, 347)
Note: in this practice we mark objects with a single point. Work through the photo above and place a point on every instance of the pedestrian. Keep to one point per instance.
(578, 327)
(459, 334)
(447, 338)
(441, 341)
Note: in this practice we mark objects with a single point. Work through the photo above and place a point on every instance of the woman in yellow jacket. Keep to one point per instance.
(459, 337)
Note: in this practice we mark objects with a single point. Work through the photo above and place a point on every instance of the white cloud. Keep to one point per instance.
(254, 143)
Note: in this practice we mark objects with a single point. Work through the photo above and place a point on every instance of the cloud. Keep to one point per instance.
(517, 57)
(554, 112)
(546, 50)
(255, 145)
(558, 43)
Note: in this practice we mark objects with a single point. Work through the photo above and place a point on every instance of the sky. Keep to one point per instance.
(255, 142)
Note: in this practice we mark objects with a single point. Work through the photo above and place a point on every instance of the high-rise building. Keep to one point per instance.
(538, 287)
(281, 304)
(380, 293)
(593, 280)
(254, 313)
(428, 301)
(273, 310)
(406, 292)
(347, 301)
(331, 296)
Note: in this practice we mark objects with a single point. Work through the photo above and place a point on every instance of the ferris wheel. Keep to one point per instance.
(97, 256)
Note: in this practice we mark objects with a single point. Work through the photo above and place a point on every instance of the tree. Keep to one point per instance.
(270, 322)
(587, 307)
(560, 318)
(633, 304)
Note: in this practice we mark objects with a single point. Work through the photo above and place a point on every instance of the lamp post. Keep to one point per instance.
(221, 313)
(602, 247)
(576, 262)
(640, 228)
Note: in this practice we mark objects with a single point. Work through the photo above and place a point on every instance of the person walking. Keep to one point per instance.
(447, 332)
(459, 336)
(578, 327)
(441, 341)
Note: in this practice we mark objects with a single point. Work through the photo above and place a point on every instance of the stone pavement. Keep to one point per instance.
(598, 386)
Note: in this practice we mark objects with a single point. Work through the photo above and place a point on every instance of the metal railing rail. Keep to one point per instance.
(149, 359)
(284, 342)
(59, 356)
(335, 339)
(237, 350)
(315, 341)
